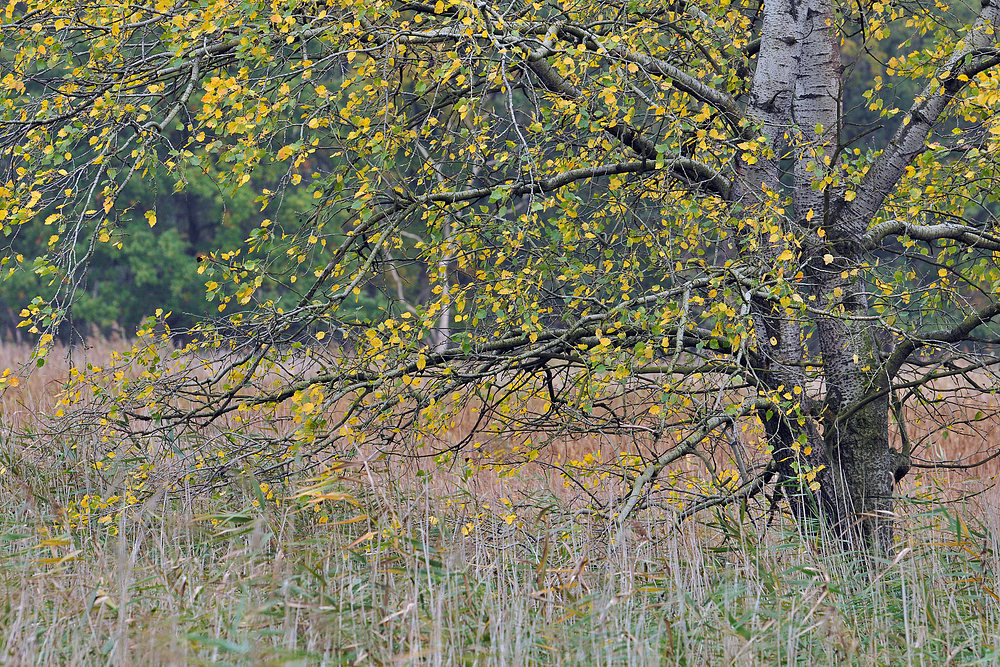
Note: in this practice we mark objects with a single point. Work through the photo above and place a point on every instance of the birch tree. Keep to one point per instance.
(647, 220)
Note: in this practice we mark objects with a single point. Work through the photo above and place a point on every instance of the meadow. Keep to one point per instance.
(377, 562)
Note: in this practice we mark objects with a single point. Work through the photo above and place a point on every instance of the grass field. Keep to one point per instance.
(367, 567)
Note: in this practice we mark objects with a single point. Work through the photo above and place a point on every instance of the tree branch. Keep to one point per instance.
(688, 170)
(969, 235)
(682, 449)
(953, 335)
(685, 83)
(910, 139)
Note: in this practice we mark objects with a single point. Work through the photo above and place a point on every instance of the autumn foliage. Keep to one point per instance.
(656, 223)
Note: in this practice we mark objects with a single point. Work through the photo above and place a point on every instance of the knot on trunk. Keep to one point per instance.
(899, 464)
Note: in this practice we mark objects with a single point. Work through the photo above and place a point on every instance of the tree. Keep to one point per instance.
(629, 218)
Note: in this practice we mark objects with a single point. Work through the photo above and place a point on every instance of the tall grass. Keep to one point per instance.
(362, 566)
(375, 573)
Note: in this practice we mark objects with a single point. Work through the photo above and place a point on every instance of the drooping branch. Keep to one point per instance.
(685, 83)
(676, 77)
(746, 490)
(686, 447)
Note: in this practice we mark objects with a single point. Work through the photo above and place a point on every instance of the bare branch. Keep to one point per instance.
(953, 335)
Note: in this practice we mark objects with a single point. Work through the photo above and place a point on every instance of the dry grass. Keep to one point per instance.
(441, 566)
(384, 574)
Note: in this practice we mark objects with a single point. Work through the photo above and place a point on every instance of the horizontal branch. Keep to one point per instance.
(544, 185)
(971, 236)
(953, 465)
(955, 334)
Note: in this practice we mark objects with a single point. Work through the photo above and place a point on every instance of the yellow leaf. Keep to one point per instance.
(850, 195)
(827, 258)
(367, 536)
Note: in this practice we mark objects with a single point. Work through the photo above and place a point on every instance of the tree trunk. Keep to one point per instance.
(796, 102)
(860, 508)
